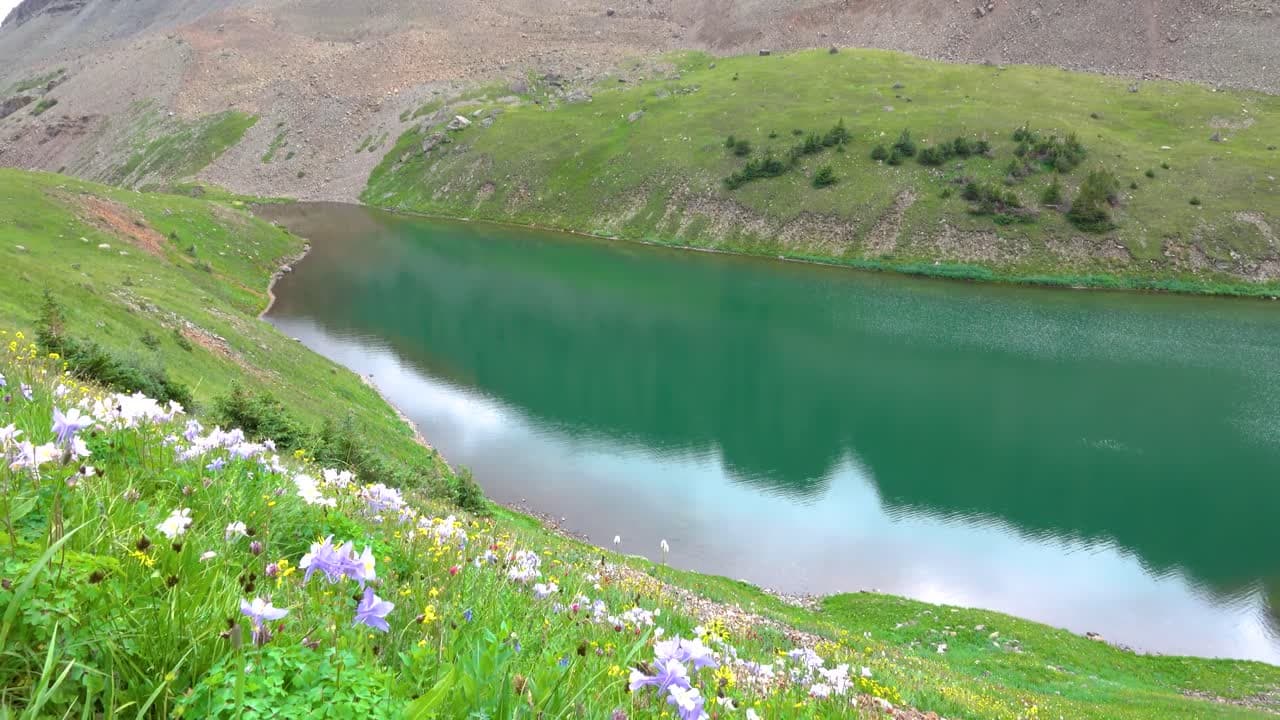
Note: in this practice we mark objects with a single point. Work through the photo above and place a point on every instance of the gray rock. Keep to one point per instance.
(12, 105)
(610, 12)
(578, 96)
(1133, 88)
(518, 87)
(635, 116)
(487, 122)
(432, 141)
(833, 50)
(480, 113)
(1216, 137)
(765, 53)
(458, 123)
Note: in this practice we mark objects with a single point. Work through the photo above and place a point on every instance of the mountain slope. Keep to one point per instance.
(323, 75)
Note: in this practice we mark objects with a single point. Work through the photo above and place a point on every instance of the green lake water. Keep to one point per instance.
(1099, 461)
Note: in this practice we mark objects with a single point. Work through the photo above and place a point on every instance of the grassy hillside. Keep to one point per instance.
(94, 620)
(1193, 206)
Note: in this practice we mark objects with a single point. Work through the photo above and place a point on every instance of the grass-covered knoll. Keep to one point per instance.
(130, 628)
(160, 149)
(649, 161)
(191, 273)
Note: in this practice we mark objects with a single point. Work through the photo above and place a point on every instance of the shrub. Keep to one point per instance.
(1052, 195)
(261, 416)
(90, 361)
(1090, 211)
(150, 340)
(1164, 166)
(982, 147)
(812, 144)
(838, 135)
(1195, 201)
(933, 156)
(825, 177)
(1150, 173)
(181, 339)
(905, 145)
(738, 146)
(762, 167)
(961, 147)
(990, 199)
(896, 157)
(879, 152)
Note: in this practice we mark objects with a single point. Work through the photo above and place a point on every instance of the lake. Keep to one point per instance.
(1103, 462)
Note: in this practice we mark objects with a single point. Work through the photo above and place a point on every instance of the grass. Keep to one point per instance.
(103, 622)
(44, 104)
(279, 141)
(165, 149)
(35, 81)
(659, 179)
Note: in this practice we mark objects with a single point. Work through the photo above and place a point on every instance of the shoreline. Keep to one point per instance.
(955, 272)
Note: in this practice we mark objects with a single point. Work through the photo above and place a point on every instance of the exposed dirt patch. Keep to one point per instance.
(1080, 250)
(1257, 220)
(884, 236)
(1268, 702)
(120, 221)
(819, 234)
(1222, 123)
(219, 346)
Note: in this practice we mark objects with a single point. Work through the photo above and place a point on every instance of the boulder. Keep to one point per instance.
(765, 53)
(635, 116)
(458, 123)
(12, 105)
(431, 142)
(578, 96)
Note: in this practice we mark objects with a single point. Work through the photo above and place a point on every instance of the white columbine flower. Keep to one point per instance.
(235, 529)
(176, 524)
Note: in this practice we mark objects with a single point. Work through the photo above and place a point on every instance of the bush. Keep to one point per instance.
(1062, 155)
(825, 177)
(261, 416)
(991, 200)
(150, 340)
(896, 157)
(181, 340)
(1090, 211)
(812, 144)
(1052, 195)
(933, 156)
(738, 146)
(961, 147)
(89, 361)
(837, 135)
(905, 145)
(879, 152)
(1195, 201)
(982, 147)
(1150, 173)
(762, 167)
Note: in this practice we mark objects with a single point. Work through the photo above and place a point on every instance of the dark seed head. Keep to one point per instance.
(6, 583)
(142, 544)
(582, 648)
(177, 547)
(96, 577)
(171, 581)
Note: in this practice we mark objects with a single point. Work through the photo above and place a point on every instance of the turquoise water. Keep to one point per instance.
(1102, 462)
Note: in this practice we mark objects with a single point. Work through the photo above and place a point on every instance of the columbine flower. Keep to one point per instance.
(235, 529)
(176, 524)
(373, 610)
(26, 391)
(616, 540)
(65, 426)
(524, 566)
(255, 547)
(216, 464)
(671, 673)
(692, 651)
(8, 436)
(542, 591)
(261, 611)
(752, 714)
(688, 702)
(208, 555)
(3, 383)
(664, 546)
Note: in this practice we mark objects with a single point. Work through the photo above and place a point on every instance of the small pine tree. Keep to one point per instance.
(879, 152)
(905, 145)
(825, 177)
(1052, 195)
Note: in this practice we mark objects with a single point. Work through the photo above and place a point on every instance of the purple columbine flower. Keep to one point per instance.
(688, 702)
(670, 673)
(373, 610)
(26, 391)
(261, 611)
(65, 426)
(3, 383)
(467, 615)
(216, 464)
(692, 651)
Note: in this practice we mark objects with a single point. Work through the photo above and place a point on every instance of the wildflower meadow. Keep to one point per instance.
(161, 568)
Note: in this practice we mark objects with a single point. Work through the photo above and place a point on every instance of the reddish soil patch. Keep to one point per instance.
(123, 223)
